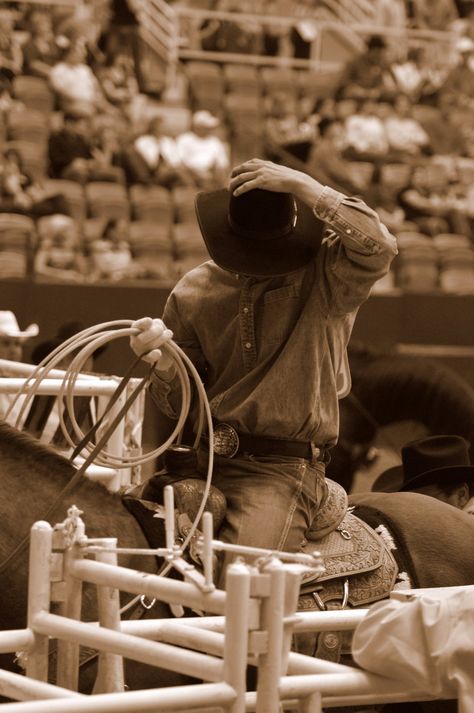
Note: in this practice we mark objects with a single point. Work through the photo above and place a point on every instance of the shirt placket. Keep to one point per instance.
(247, 326)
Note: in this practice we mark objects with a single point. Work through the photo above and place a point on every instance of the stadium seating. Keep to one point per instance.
(17, 236)
(151, 204)
(73, 194)
(107, 200)
(34, 93)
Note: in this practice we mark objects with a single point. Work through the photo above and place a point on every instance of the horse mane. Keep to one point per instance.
(22, 448)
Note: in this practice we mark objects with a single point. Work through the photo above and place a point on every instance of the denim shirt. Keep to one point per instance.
(272, 352)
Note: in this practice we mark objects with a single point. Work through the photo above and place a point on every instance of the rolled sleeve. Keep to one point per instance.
(357, 250)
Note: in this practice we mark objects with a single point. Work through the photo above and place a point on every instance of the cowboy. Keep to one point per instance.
(266, 322)
(438, 466)
(12, 339)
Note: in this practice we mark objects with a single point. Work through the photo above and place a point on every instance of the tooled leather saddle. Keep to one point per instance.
(359, 567)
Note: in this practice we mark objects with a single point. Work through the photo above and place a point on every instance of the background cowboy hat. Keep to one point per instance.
(9, 327)
(427, 461)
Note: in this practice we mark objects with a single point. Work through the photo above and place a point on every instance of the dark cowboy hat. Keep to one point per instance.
(259, 233)
(428, 461)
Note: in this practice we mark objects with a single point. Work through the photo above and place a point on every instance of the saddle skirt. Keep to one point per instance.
(353, 551)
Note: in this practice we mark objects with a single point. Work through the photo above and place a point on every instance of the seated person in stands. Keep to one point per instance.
(12, 340)
(445, 137)
(366, 136)
(153, 158)
(111, 255)
(74, 154)
(59, 255)
(118, 80)
(41, 52)
(284, 130)
(241, 36)
(326, 162)
(459, 82)
(11, 55)
(432, 203)
(203, 154)
(21, 194)
(77, 89)
(368, 76)
(405, 134)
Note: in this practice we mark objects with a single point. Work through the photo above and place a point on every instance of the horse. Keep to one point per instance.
(390, 390)
(33, 477)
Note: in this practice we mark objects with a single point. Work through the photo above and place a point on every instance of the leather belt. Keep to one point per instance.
(229, 443)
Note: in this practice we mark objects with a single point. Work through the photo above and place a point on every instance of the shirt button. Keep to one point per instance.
(248, 345)
(348, 231)
(245, 310)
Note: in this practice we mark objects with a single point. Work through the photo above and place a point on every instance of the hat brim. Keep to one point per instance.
(257, 258)
(31, 331)
(391, 480)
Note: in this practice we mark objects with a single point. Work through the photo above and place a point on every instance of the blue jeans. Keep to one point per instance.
(271, 501)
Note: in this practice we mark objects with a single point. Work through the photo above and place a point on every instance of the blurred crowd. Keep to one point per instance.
(104, 181)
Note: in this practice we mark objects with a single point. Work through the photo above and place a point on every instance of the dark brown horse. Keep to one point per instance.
(437, 537)
(392, 390)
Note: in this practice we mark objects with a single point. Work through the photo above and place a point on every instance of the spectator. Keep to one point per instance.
(20, 193)
(285, 130)
(59, 256)
(203, 154)
(434, 14)
(11, 55)
(404, 133)
(326, 162)
(111, 255)
(444, 136)
(438, 466)
(459, 83)
(366, 136)
(74, 154)
(240, 36)
(119, 82)
(12, 340)
(77, 88)
(41, 52)
(408, 74)
(368, 76)
(431, 203)
(153, 158)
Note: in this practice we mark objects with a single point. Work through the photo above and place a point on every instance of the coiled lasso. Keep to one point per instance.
(85, 343)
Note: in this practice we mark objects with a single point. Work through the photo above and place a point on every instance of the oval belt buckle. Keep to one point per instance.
(226, 440)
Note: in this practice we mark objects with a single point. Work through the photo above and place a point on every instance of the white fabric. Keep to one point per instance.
(151, 148)
(427, 642)
(202, 153)
(76, 82)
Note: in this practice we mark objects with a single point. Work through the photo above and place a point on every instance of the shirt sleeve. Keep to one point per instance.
(357, 250)
(166, 391)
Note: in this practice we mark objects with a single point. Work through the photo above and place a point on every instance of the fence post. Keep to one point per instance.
(236, 631)
(68, 651)
(110, 676)
(39, 596)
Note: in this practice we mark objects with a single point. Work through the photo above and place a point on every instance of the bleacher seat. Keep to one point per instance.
(206, 85)
(31, 125)
(17, 237)
(34, 93)
(187, 239)
(183, 198)
(33, 157)
(73, 194)
(151, 203)
(279, 79)
(242, 79)
(152, 250)
(395, 175)
(108, 200)
(457, 270)
(244, 111)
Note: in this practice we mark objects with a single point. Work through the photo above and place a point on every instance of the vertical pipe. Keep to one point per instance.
(68, 651)
(236, 631)
(110, 676)
(39, 589)
(206, 556)
(169, 517)
(270, 662)
(292, 591)
(311, 703)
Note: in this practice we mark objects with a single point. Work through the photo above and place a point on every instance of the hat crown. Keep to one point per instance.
(433, 453)
(8, 323)
(262, 215)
